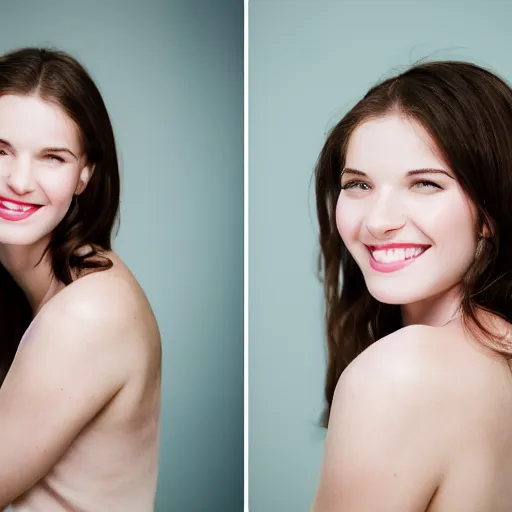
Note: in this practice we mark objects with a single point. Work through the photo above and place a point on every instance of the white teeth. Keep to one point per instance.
(410, 252)
(392, 255)
(14, 206)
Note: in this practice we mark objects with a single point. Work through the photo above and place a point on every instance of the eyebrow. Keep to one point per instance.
(44, 150)
(413, 172)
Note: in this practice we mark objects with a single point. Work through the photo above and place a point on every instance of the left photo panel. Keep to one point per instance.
(121, 256)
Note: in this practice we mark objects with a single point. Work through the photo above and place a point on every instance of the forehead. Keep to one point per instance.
(28, 122)
(392, 142)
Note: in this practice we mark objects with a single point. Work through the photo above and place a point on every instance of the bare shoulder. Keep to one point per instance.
(114, 289)
(90, 356)
(110, 302)
(384, 419)
(431, 368)
(405, 366)
(403, 411)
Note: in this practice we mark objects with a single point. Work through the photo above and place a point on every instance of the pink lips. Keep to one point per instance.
(15, 215)
(394, 265)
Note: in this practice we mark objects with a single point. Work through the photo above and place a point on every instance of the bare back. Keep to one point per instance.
(113, 463)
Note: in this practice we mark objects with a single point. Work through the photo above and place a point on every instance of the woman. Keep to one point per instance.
(414, 195)
(79, 405)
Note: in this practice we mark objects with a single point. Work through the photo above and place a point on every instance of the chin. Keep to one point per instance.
(32, 233)
(389, 293)
(21, 238)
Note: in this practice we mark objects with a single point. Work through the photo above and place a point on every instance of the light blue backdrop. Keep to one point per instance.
(310, 60)
(171, 72)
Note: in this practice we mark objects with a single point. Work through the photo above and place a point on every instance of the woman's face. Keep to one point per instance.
(402, 214)
(41, 168)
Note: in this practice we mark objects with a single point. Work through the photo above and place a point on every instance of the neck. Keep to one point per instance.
(37, 281)
(435, 311)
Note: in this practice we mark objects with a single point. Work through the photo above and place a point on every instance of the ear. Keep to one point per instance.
(85, 176)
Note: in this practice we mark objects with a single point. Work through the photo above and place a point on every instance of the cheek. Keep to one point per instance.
(349, 216)
(59, 188)
(448, 220)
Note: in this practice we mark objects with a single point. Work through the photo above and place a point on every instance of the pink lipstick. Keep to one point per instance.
(392, 257)
(13, 210)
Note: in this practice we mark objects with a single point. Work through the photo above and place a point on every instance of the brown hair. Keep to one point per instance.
(467, 111)
(56, 77)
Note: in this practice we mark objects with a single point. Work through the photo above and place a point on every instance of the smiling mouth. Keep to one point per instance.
(396, 254)
(16, 206)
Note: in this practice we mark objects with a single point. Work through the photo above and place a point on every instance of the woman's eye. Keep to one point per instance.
(55, 158)
(426, 184)
(2, 152)
(355, 184)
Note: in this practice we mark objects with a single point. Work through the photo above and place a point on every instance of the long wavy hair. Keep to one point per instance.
(57, 77)
(467, 111)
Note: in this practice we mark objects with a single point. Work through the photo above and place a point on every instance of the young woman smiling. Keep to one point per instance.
(80, 402)
(414, 195)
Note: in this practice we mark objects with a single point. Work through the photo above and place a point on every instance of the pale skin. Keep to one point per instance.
(420, 421)
(80, 405)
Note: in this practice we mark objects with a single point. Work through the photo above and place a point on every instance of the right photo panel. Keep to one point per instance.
(380, 256)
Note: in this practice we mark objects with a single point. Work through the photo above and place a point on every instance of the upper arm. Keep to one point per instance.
(66, 370)
(385, 449)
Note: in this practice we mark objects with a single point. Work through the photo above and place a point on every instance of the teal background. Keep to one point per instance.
(171, 73)
(309, 62)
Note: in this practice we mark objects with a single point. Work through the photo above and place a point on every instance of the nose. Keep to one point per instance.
(20, 177)
(385, 216)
